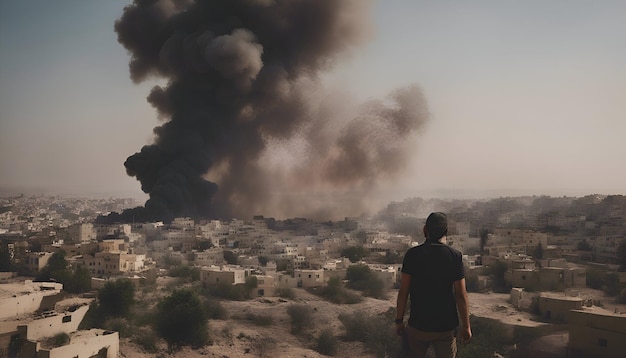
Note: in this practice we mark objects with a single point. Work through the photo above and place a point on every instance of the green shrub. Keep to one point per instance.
(116, 297)
(119, 325)
(215, 310)
(286, 293)
(336, 293)
(60, 339)
(147, 340)
(301, 316)
(326, 343)
(374, 331)
(182, 320)
(488, 337)
(361, 278)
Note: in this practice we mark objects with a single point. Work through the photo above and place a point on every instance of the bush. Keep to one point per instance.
(361, 278)
(301, 316)
(182, 320)
(60, 339)
(215, 310)
(336, 293)
(286, 293)
(326, 343)
(373, 330)
(186, 272)
(116, 297)
(145, 318)
(234, 292)
(147, 340)
(264, 346)
(119, 325)
(354, 253)
(488, 337)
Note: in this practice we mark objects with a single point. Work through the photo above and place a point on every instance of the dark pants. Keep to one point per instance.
(443, 343)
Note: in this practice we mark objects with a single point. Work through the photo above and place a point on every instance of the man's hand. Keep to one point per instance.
(466, 335)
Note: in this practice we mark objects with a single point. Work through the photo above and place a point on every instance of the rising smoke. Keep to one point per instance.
(247, 127)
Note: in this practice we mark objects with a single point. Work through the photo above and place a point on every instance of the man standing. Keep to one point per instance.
(433, 276)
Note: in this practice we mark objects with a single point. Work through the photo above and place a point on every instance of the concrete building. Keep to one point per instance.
(81, 233)
(18, 299)
(596, 334)
(266, 286)
(218, 274)
(309, 278)
(210, 257)
(111, 263)
(82, 344)
(35, 261)
(33, 315)
(556, 307)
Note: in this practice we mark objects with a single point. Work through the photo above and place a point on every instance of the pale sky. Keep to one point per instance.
(526, 97)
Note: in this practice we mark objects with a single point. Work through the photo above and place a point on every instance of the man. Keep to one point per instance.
(433, 276)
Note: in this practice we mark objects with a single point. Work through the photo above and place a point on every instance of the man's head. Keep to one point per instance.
(436, 226)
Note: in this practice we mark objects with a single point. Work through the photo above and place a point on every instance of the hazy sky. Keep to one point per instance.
(526, 97)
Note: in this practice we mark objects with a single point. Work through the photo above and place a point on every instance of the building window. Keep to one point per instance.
(309, 276)
(67, 319)
(523, 277)
(602, 342)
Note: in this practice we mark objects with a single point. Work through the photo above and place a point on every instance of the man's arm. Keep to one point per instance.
(403, 297)
(462, 304)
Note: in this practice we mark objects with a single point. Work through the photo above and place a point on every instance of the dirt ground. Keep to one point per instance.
(237, 337)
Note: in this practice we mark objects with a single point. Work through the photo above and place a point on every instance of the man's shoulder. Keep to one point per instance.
(454, 251)
(420, 248)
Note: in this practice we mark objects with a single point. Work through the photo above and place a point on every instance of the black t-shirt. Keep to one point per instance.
(433, 268)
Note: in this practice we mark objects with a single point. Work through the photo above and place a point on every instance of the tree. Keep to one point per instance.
(80, 282)
(497, 271)
(361, 278)
(301, 316)
(326, 342)
(230, 257)
(353, 253)
(56, 268)
(204, 245)
(117, 297)
(182, 320)
(393, 257)
(484, 236)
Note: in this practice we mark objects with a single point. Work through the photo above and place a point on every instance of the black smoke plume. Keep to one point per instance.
(242, 90)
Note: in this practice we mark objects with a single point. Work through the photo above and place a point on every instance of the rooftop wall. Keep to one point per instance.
(596, 335)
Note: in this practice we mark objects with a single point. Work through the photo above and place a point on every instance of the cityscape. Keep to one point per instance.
(243, 178)
(547, 273)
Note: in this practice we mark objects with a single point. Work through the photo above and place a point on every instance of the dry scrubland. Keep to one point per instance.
(240, 337)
